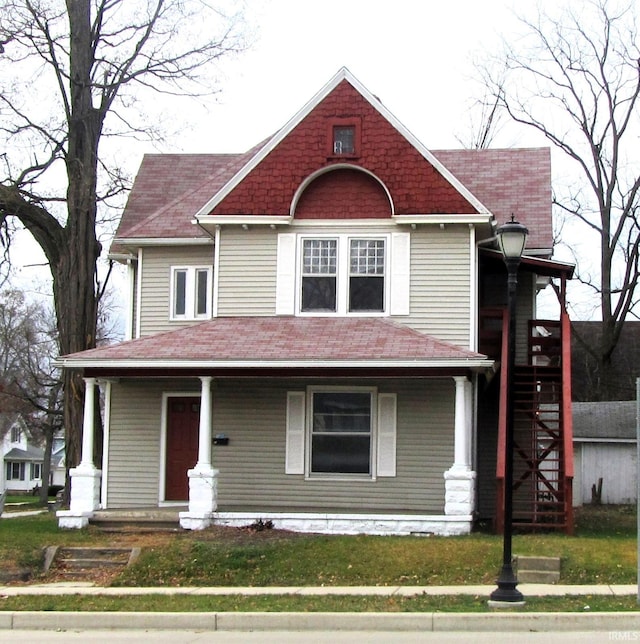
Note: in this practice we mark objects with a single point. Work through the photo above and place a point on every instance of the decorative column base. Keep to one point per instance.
(460, 491)
(203, 498)
(85, 497)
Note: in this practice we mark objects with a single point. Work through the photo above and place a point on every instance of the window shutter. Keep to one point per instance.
(400, 273)
(286, 274)
(294, 459)
(387, 404)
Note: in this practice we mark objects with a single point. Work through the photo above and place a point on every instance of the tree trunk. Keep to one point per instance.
(74, 278)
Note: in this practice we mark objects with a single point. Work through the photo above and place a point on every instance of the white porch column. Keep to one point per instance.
(460, 478)
(203, 479)
(85, 479)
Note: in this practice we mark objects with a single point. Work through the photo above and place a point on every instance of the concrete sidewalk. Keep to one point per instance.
(431, 621)
(528, 590)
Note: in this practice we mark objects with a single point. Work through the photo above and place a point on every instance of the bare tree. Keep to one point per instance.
(486, 121)
(71, 74)
(575, 78)
(29, 383)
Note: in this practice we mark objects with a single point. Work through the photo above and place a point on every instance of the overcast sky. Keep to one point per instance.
(414, 55)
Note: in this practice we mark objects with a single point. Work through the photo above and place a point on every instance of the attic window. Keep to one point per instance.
(344, 137)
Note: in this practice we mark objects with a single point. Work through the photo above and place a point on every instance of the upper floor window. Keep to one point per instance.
(15, 434)
(366, 274)
(191, 292)
(343, 274)
(319, 274)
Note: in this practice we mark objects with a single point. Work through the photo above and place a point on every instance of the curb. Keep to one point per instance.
(260, 621)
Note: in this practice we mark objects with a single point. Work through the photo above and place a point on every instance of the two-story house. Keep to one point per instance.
(315, 334)
(22, 458)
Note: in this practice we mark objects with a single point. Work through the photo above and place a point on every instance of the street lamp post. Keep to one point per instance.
(512, 237)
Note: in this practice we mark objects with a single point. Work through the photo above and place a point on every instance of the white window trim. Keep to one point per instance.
(33, 471)
(397, 274)
(342, 275)
(373, 444)
(190, 293)
(22, 474)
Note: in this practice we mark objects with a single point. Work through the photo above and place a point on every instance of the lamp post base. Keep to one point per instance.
(506, 593)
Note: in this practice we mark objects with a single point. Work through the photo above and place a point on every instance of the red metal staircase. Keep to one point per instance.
(543, 448)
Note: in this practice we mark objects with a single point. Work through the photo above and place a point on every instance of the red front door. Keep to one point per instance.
(183, 419)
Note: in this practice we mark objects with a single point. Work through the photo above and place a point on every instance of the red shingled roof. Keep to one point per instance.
(170, 188)
(260, 340)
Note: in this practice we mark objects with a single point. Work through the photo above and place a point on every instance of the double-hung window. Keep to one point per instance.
(366, 275)
(191, 292)
(15, 471)
(319, 274)
(36, 471)
(341, 432)
(341, 425)
(344, 275)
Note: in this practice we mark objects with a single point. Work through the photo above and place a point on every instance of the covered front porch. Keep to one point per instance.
(253, 440)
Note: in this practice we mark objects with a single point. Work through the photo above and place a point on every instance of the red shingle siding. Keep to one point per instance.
(343, 194)
(415, 186)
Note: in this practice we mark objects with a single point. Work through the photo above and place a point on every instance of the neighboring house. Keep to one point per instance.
(604, 435)
(21, 459)
(317, 331)
(58, 462)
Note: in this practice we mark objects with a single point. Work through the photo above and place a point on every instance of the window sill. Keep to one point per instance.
(340, 478)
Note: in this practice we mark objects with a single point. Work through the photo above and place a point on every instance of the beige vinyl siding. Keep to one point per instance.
(440, 283)
(156, 284)
(134, 445)
(252, 466)
(247, 271)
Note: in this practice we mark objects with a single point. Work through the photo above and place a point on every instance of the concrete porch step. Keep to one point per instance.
(78, 562)
(126, 521)
(537, 570)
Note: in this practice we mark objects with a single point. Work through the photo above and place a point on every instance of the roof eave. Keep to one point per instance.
(479, 363)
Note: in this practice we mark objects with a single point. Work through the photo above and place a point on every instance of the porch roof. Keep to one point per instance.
(29, 454)
(283, 342)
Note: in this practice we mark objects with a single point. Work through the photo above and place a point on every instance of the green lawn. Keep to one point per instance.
(316, 603)
(603, 550)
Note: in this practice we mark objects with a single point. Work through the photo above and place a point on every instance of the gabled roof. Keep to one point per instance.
(282, 342)
(341, 78)
(171, 190)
